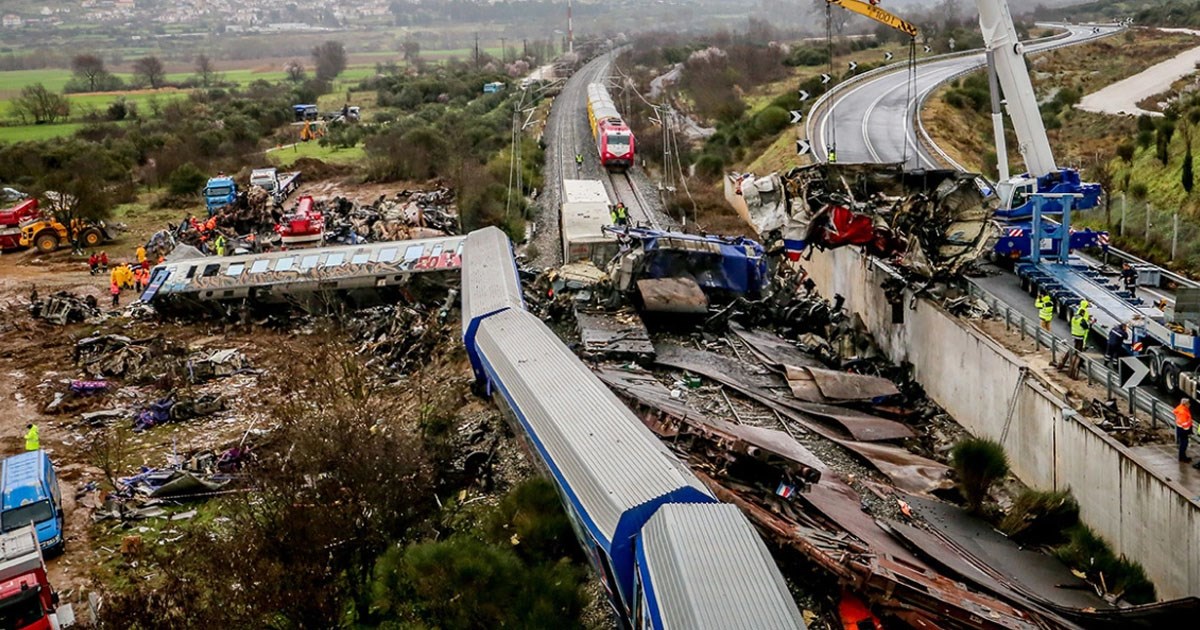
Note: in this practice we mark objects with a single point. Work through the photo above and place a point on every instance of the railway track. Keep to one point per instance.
(626, 191)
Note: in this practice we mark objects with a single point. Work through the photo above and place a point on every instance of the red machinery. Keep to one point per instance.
(11, 220)
(305, 225)
(26, 600)
(614, 140)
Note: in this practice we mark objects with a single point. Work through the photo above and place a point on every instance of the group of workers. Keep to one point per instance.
(619, 214)
(124, 276)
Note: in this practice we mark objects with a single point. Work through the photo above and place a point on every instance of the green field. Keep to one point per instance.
(26, 133)
(288, 155)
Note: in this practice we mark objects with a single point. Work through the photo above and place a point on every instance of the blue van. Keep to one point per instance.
(29, 494)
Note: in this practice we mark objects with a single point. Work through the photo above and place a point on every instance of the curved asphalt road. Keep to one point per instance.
(870, 121)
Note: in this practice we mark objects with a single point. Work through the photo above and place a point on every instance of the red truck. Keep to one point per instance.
(11, 220)
(26, 600)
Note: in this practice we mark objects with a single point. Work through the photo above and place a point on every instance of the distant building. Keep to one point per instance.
(11, 20)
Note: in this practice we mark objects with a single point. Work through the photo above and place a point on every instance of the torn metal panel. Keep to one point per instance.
(771, 387)
(901, 585)
(672, 295)
(838, 386)
(908, 471)
(614, 335)
(773, 350)
(871, 427)
(766, 445)
(760, 201)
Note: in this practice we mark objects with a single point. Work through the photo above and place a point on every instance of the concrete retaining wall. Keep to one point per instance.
(975, 379)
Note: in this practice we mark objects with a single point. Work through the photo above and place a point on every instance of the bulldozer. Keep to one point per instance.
(48, 234)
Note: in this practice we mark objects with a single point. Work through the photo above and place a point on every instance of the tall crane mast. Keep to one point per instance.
(1008, 56)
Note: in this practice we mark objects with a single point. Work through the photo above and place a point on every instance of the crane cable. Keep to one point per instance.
(910, 94)
(832, 150)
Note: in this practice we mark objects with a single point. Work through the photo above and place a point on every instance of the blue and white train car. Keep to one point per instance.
(613, 474)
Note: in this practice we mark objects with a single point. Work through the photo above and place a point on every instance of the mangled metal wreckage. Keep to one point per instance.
(932, 223)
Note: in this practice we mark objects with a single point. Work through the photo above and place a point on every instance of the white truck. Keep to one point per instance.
(584, 213)
(279, 185)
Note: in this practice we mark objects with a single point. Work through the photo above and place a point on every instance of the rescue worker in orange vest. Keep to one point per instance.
(141, 254)
(1183, 428)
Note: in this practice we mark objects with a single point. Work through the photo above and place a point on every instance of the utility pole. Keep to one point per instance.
(503, 50)
(525, 48)
(476, 50)
(570, 29)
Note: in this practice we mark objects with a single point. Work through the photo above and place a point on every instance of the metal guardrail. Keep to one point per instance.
(1095, 370)
(822, 101)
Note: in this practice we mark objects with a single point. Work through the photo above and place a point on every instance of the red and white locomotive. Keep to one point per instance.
(614, 140)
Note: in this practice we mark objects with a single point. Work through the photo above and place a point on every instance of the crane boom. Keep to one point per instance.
(1000, 37)
(877, 14)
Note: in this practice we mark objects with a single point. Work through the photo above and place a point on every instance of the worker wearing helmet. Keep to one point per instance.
(1045, 306)
(1079, 327)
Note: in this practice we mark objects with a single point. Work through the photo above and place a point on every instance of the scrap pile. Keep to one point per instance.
(402, 337)
(199, 475)
(881, 533)
(119, 356)
(64, 307)
(410, 214)
(931, 223)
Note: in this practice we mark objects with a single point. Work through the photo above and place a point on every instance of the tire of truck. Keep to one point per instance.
(91, 237)
(1170, 374)
(46, 241)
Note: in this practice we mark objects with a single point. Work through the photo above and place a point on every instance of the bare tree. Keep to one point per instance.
(39, 105)
(206, 71)
(1103, 175)
(295, 71)
(330, 59)
(89, 68)
(150, 71)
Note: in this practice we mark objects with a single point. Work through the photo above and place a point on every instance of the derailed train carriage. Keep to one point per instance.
(668, 554)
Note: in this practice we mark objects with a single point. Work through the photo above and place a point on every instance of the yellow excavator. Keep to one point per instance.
(872, 10)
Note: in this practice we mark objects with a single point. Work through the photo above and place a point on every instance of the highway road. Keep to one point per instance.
(871, 120)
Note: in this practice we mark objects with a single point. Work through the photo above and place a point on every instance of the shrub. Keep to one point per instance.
(807, 56)
(979, 463)
(710, 166)
(1090, 554)
(186, 180)
(1041, 517)
(771, 120)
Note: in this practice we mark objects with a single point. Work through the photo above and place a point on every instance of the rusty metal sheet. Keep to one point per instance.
(907, 471)
(773, 350)
(615, 335)
(646, 390)
(866, 427)
(672, 295)
(842, 386)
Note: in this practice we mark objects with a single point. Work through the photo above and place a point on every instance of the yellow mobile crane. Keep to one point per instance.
(872, 10)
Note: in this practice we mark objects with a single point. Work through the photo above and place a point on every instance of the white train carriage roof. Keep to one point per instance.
(489, 276)
(609, 463)
(704, 567)
(304, 269)
(601, 103)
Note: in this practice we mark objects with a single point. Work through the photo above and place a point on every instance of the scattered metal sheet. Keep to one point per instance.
(617, 335)
(672, 295)
(866, 426)
(643, 389)
(841, 386)
(907, 471)
(773, 350)
(859, 426)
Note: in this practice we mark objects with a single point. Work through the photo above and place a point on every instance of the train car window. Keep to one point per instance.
(260, 266)
(414, 252)
(284, 264)
(308, 262)
(389, 254)
(360, 258)
(334, 260)
(235, 269)
(437, 250)
(211, 270)
(191, 272)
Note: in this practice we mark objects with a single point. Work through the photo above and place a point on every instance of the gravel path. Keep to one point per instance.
(1123, 96)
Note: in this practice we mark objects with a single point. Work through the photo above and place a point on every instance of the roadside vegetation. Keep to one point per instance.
(357, 517)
